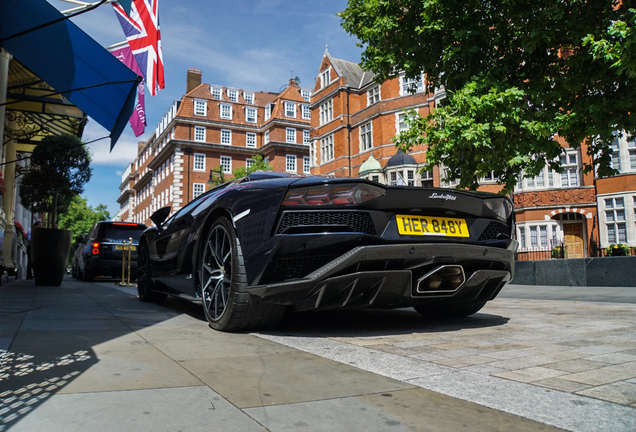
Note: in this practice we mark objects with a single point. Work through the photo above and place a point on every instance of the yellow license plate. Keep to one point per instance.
(433, 226)
(119, 247)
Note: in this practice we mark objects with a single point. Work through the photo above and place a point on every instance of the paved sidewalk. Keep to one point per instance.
(91, 357)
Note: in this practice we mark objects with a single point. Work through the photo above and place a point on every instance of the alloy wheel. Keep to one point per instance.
(216, 272)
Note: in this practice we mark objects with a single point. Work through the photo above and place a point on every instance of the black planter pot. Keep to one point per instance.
(49, 251)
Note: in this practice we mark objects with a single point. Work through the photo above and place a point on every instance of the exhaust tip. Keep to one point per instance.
(443, 279)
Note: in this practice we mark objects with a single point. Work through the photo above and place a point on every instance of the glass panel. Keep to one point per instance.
(544, 235)
(609, 203)
(533, 237)
(619, 202)
(609, 216)
(620, 215)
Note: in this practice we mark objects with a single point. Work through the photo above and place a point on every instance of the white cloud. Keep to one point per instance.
(123, 153)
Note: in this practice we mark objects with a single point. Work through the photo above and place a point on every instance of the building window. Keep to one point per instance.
(410, 177)
(199, 133)
(306, 164)
(291, 135)
(306, 94)
(373, 95)
(426, 177)
(226, 111)
(199, 162)
(226, 136)
(200, 107)
(411, 85)
(290, 109)
(250, 139)
(492, 177)
(401, 123)
(266, 137)
(268, 111)
(226, 164)
(312, 153)
(216, 92)
(306, 138)
(570, 174)
(325, 78)
(232, 95)
(615, 220)
(249, 97)
(250, 115)
(291, 163)
(197, 189)
(366, 137)
(248, 163)
(326, 149)
(615, 158)
(326, 112)
(266, 160)
(305, 112)
(631, 148)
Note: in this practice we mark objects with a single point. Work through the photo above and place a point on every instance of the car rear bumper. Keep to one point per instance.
(109, 267)
(391, 275)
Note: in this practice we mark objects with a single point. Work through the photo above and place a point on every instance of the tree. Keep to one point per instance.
(80, 217)
(517, 73)
(60, 167)
(258, 164)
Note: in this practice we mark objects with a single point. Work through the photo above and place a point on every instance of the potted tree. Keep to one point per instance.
(60, 167)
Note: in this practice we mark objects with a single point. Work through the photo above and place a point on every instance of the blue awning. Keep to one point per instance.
(70, 61)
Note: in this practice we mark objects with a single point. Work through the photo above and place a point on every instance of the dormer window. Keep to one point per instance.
(232, 95)
(306, 94)
(268, 111)
(226, 111)
(373, 95)
(216, 92)
(325, 78)
(306, 113)
(250, 115)
(200, 107)
(290, 109)
(411, 85)
(249, 97)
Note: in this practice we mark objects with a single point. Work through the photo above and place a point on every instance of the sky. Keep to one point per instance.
(253, 45)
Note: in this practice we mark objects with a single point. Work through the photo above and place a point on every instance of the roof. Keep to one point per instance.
(400, 158)
(369, 165)
(355, 76)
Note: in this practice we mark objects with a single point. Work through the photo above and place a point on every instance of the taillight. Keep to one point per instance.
(501, 206)
(336, 194)
(95, 248)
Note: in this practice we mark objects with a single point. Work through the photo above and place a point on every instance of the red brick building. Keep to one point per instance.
(354, 120)
(215, 128)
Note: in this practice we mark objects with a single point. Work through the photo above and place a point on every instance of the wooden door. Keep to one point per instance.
(574, 245)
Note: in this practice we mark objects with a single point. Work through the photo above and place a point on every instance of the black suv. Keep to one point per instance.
(100, 253)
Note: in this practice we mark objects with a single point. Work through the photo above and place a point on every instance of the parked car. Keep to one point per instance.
(253, 247)
(100, 252)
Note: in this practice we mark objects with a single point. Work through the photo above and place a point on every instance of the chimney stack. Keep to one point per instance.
(194, 79)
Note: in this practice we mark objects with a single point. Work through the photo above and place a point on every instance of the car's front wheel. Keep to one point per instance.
(443, 310)
(223, 284)
(144, 281)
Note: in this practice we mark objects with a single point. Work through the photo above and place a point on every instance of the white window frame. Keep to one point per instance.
(250, 139)
(373, 95)
(290, 163)
(306, 94)
(200, 107)
(266, 137)
(249, 97)
(225, 111)
(619, 207)
(410, 83)
(400, 122)
(232, 95)
(198, 162)
(216, 92)
(306, 136)
(197, 189)
(525, 236)
(199, 133)
(305, 112)
(226, 137)
(248, 163)
(268, 111)
(226, 164)
(366, 136)
(325, 77)
(326, 149)
(253, 118)
(326, 112)
(570, 174)
(289, 107)
(306, 165)
(290, 135)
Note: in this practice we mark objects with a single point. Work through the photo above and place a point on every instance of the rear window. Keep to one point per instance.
(121, 232)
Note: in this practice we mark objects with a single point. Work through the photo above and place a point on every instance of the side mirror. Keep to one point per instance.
(160, 216)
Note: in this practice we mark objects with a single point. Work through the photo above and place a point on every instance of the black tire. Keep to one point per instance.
(443, 310)
(145, 285)
(80, 274)
(226, 303)
(89, 276)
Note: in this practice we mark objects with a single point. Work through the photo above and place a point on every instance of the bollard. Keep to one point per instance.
(127, 247)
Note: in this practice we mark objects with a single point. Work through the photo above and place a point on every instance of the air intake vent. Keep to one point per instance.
(294, 222)
(282, 269)
(493, 230)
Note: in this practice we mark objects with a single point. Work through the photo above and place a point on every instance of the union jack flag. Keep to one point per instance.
(144, 37)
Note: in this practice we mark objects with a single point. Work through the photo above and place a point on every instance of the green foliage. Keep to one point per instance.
(60, 167)
(217, 176)
(618, 250)
(258, 164)
(516, 74)
(559, 252)
(80, 217)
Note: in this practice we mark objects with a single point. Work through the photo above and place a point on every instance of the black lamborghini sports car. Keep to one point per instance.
(251, 248)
